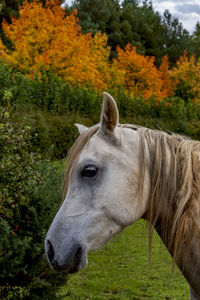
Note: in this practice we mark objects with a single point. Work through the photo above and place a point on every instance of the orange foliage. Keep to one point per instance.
(187, 73)
(169, 84)
(45, 36)
(140, 76)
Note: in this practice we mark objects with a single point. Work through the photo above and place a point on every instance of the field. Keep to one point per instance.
(121, 270)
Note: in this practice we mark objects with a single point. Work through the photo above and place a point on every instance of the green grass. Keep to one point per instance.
(121, 270)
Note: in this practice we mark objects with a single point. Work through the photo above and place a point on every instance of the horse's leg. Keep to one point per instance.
(193, 295)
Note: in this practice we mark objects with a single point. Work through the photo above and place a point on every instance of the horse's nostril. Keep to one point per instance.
(76, 261)
(78, 255)
(50, 253)
(70, 261)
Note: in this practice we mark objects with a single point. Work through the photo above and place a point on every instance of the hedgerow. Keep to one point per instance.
(30, 191)
(52, 107)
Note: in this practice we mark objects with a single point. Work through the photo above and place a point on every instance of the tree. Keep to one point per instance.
(27, 205)
(130, 34)
(97, 15)
(187, 74)
(93, 15)
(195, 41)
(113, 26)
(169, 82)
(176, 38)
(132, 22)
(45, 36)
(8, 8)
(140, 76)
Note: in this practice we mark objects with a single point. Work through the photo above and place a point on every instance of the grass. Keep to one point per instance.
(121, 270)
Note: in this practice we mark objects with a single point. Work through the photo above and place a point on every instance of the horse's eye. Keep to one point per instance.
(89, 171)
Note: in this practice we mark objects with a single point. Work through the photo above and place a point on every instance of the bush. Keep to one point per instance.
(29, 198)
(52, 108)
(46, 92)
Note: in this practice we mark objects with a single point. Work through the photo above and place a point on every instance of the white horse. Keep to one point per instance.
(118, 174)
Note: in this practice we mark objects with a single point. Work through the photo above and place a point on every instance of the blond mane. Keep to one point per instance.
(175, 184)
(175, 189)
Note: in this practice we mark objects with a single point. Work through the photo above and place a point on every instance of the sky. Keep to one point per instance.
(187, 11)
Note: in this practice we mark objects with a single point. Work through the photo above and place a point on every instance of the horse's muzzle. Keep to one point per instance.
(72, 262)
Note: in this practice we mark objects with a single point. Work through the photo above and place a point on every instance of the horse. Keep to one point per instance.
(119, 173)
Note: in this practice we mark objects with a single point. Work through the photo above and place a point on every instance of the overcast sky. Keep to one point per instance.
(187, 11)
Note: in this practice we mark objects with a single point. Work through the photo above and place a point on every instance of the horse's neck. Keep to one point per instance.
(174, 199)
(190, 264)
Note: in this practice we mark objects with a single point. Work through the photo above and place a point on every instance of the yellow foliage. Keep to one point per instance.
(187, 74)
(3, 53)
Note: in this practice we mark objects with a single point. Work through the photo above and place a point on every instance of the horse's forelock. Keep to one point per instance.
(74, 153)
(76, 149)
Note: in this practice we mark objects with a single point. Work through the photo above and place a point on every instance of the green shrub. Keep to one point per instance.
(52, 107)
(46, 92)
(29, 198)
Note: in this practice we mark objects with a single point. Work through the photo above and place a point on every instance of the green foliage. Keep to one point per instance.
(113, 27)
(176, 39)
(52, 108)
(145, 26)
(195, 41)
(47, 92)
(29, 197)
(93, 15)
(8, 8)
(136, 23)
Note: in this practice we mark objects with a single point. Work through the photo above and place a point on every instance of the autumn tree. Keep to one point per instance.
(140, 76)
(8, 8)
(187, 74)
(3, 53)
(169, 82)
(45, 36)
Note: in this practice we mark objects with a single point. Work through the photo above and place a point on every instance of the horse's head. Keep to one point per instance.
(102, 194)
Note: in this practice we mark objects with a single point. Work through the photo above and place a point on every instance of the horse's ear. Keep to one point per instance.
(81, 128)
(109, 114)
